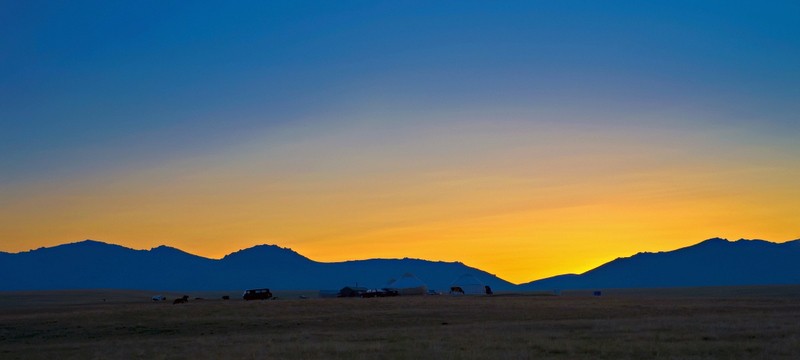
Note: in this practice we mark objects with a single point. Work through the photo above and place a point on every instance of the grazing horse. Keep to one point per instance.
(456, 290)
(181, 300)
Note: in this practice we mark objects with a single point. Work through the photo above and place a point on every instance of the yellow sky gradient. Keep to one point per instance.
(519, 200)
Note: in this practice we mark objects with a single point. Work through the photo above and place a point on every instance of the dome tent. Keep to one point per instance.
(470, 284)
(408, 284)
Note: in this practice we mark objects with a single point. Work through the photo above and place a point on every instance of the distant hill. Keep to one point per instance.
(714, 262)
(92, 265)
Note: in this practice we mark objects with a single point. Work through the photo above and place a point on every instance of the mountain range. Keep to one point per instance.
(713, 262)
(93, 264)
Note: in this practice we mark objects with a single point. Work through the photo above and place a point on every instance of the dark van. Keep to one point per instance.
(256, 294)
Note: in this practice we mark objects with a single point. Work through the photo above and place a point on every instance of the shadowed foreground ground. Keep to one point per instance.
(741, 323)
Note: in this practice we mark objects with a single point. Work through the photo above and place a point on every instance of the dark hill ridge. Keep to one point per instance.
(272, 252)
(94, 264)
(714, 262)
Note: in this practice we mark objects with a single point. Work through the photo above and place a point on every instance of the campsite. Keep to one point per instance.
(688, 323)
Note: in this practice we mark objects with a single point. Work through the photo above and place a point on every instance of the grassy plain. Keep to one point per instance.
(706, 323)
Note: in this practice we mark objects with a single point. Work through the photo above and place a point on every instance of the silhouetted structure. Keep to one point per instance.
(408, 284)
(379, 293)
(469, 285)
(352, 291)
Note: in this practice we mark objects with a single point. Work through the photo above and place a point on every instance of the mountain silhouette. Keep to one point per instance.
(93, 264)
(713, 262)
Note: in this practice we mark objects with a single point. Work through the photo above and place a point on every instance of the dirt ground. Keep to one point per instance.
(704, 323)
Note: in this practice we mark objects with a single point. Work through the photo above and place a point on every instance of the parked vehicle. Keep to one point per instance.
(256, 294)
(379, 293)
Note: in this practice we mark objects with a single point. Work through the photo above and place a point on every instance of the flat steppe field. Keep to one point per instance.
(699, 323)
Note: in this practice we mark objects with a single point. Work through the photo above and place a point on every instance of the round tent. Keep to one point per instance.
(408, 284)
(469, 284)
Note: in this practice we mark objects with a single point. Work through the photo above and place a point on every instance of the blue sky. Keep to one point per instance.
(159, 78)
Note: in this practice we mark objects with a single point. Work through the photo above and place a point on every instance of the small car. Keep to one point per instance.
(256, 294)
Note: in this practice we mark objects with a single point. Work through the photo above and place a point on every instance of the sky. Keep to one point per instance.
(525, 138)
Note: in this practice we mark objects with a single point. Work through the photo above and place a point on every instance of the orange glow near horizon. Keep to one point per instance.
(520, 202)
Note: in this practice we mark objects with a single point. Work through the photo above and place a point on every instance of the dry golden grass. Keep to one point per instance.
(743, 323)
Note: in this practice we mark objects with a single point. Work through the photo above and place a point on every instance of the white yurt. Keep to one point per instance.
(470, 284)
(408, 284)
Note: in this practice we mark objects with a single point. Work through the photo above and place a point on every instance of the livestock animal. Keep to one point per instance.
(456, 290)
(181, 300)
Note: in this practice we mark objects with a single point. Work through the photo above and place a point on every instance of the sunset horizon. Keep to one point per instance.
(526, 139)
(397, 257)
